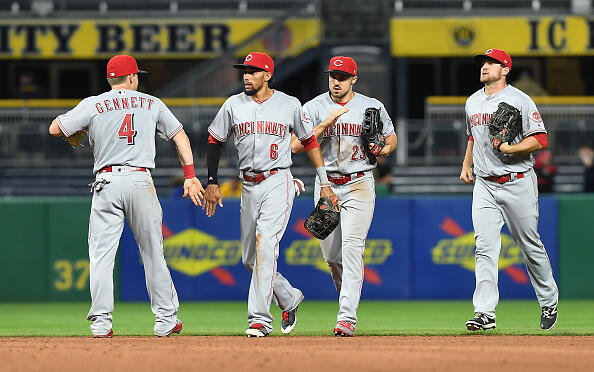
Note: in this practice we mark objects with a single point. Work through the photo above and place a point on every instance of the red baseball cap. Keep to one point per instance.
(122, 65)
(257, 60)
(345, 65)
(499, 55)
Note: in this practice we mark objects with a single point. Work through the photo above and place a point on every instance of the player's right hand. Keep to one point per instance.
(333, 117)
(193, 187)
(212, 197)
(466, 175)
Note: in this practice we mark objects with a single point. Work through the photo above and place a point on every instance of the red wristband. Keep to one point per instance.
(189, 171)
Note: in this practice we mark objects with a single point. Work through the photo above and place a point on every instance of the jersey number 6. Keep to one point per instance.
(127, 129)
(273, 152)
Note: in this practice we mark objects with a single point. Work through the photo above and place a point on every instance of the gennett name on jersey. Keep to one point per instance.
(122, 103)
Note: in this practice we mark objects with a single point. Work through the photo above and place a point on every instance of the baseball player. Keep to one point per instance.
(337, 116)
(121, 124)
(505, 191)
(260, 121)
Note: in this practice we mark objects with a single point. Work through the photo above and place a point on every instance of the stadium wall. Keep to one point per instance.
(44, 255)
(576, 242)
(417, 248)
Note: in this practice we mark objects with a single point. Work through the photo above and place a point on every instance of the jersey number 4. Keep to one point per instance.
(127, 129)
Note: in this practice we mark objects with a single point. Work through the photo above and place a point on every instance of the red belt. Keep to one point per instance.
(341, 180)
(503, 179)
(109, 169)
(259, 177)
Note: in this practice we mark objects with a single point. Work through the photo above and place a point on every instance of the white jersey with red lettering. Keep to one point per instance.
(351, 179)
(261, 130)
(479, 110)
(121, 125)
(262, 135)
(341, 143)
(505, 191)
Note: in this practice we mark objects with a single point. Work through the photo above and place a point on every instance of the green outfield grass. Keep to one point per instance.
(315, 318)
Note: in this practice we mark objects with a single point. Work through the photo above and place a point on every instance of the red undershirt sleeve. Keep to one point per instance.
(310, 143)
(211, 139)
(543, 138)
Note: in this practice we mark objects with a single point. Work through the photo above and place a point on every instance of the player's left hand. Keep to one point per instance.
(376, 149)
(466, 175)
(327, 192)
(193, 187)
(299, 186)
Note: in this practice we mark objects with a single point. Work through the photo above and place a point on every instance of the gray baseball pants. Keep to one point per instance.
(514, 203)
(132, 195)
(265, 211)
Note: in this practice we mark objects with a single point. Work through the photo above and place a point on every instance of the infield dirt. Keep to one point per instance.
(390, 353)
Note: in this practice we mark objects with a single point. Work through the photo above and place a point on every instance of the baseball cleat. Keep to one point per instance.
(289, 320)
(256, 330)
(107, 335)
(480, 321)
(176, 329)
(344, 329)
(548, 318)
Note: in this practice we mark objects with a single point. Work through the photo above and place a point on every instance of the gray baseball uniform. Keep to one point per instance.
(514, 203)
(262, 135)
(345, 161)
(122, 126)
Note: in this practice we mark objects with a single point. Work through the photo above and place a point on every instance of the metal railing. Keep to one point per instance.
(427, 159)
(25, 141)
(440, 139)
(438, 7)
(399, 5)
(140, 8)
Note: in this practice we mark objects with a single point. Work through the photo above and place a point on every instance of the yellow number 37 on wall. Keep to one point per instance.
(71, 275)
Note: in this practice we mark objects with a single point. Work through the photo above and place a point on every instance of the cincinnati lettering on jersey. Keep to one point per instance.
(264, 127)
(480, 119)
(121, 103)
(342, 129)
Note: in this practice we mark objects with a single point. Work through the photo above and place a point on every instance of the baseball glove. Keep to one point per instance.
(324, 218)
(75, 139)
(505, 124)
(371, 133)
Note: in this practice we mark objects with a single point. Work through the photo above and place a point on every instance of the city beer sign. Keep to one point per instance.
(154, 38)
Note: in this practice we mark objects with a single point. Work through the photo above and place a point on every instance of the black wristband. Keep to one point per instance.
(213, 155)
